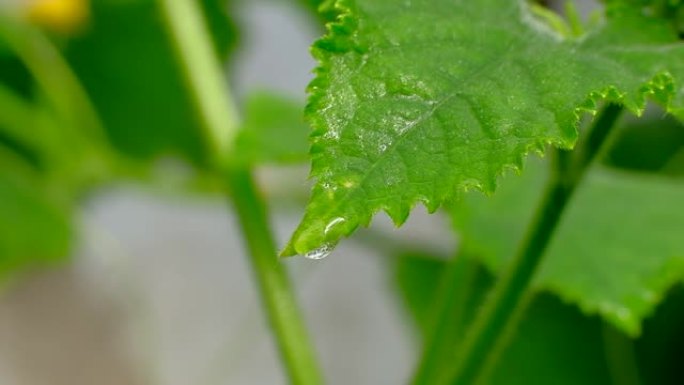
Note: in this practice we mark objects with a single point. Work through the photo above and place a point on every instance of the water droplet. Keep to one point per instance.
(332, 224)
(320, 252)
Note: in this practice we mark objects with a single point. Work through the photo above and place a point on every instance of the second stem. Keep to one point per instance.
(487, 335)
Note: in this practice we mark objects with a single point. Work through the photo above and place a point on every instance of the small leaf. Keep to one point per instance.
(274, 131)
(615, 253)
(415, 101)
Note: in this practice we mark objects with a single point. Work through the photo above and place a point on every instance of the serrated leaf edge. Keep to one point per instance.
(661, 88)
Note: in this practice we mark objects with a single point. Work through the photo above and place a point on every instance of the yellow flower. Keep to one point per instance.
(60, 16)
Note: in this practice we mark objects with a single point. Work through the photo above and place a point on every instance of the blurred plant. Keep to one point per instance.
(413, 101)
(62, 16)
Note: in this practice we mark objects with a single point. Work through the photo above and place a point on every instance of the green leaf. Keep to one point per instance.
(417, 100)
(554, 344)
(615, 253)
(274, 131)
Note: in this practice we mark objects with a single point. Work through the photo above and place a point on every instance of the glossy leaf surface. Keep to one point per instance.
(415, 101)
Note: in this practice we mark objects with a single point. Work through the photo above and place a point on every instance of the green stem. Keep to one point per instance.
(219, 120)
(497, 318)
(596, 140)
(276, 291)
(506, 295)
(203, 75)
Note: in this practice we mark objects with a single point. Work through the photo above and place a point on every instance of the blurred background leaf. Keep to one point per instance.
(273, 131)
(614, 252)
(125, 61)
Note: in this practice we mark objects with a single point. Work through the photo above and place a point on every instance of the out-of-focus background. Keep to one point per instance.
(158, 290)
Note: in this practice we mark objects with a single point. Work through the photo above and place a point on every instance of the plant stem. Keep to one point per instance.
(276, 290)
(487, 328)
(219, 119)
(497, 318)
(203, 75)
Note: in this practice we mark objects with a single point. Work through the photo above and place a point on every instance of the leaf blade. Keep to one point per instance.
(416, 101)
(614, 253)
